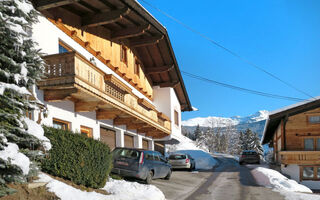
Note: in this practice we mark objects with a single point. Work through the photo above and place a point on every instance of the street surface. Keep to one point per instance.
(228, 181)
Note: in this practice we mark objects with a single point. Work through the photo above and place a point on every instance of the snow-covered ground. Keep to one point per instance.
(117, 189)
(287, 187)
(203, 159)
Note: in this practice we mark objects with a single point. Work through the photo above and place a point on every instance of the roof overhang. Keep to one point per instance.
(275, 117)
(125, 22)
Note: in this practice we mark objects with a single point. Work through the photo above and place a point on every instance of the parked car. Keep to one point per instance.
(182, 161)
(140, 164)
(249, 156)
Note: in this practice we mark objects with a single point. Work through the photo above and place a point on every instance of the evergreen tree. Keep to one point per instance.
(197, 133)
(250, 141)
(20, 66)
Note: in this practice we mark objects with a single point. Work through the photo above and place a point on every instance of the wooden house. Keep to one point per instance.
(111, 72)
(294, 134)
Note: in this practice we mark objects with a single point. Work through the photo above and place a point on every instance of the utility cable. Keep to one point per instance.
(227, 49)
(275, 96)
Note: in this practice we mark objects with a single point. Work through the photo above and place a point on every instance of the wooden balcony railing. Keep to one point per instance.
(300, 157)
(68, 69)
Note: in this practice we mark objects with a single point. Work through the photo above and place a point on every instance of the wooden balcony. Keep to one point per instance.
(69, 76)
(300, 157)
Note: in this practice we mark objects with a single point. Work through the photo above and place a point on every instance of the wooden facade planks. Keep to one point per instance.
(288, 139)
(92, 90)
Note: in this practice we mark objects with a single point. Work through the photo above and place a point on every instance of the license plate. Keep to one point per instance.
(122, 163)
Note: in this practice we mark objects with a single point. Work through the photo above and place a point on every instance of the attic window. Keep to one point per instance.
(63, 47)
(314, 119)
(137, 67)
(123, 54)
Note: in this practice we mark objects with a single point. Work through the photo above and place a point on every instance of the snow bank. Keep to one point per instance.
(299, 196)
(125, 190)
(203, 159)
(118, 189)
(11, 153)
(273, 179)
(185, 144)
(37, 131)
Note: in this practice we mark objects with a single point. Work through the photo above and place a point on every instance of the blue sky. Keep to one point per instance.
(282, 36)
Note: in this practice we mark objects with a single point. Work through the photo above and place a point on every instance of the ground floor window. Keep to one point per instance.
(61, 124)
(310, 173)
(86, 131)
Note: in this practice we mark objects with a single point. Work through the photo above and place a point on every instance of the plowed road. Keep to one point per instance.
(228, 181)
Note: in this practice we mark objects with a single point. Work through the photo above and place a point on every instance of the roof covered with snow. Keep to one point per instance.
(276, 116)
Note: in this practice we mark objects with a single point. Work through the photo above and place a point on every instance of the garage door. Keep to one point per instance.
(145, 144)
(159, 146)
(128, 141)
(108, 137)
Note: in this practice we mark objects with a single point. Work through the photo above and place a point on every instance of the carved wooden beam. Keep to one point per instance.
(104, 17)
(136, 125)
(105, 114)
(58, 94)
(86, 106)
(156, 70)
(130, 32)
(123, 121)
(146, 41)
(168, 84)
(47, 4)
(146, 129)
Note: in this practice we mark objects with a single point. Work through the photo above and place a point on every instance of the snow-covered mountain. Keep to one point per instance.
(224, 121)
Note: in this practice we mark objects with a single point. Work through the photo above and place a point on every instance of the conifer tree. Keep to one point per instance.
(197, 133)
(20, 66)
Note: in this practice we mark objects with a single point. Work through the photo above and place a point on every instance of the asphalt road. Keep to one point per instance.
(228, 181)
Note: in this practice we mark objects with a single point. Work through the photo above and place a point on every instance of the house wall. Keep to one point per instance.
(168, 107)
(47, 35)
(294, 172)
(298, 128)
(277, 142)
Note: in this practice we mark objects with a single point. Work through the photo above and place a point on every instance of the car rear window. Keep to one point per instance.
(249, 153)
(126, 153)
(177, 157)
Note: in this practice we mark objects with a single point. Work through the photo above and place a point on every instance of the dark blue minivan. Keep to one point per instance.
(141, 164)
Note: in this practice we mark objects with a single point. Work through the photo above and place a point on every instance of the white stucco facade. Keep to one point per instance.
(47, 35)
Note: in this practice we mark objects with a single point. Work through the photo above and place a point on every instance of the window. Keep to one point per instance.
(308, 173)
(86, 131)
(176, 118)
(123, 54)
(137, 68)
(314, 119)
(60, 124)
(309, 144)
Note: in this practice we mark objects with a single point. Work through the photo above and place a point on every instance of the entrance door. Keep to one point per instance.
(108, 137)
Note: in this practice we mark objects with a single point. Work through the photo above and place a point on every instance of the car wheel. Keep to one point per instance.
(168, 175)
(149, 177)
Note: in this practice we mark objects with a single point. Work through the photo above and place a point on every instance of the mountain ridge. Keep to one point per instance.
(212, 121)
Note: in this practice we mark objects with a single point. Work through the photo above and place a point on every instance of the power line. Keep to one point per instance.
(226, 49)
(275, 96)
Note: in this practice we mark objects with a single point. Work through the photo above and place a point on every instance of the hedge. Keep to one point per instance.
(74, 157)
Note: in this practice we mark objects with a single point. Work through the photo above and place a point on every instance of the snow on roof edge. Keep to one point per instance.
(294, 105)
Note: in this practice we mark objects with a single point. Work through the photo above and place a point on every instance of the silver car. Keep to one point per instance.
(182, 161)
